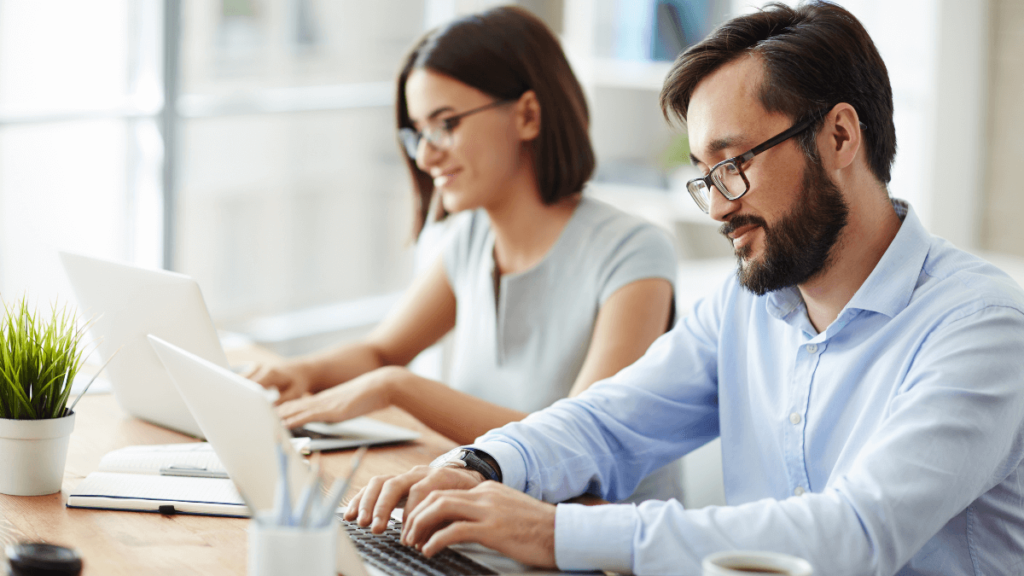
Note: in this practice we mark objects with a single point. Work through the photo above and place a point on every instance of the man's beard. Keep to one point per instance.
(799, 246)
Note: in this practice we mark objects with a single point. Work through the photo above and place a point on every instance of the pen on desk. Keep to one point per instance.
(338, 490)
(309, 495)
(176, 470)
(282, 503)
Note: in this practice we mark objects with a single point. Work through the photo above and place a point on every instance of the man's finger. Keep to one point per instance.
(370, 494)
(393, 491)
(455, 533)
(352, 510)
(439, 508)
(435, 479)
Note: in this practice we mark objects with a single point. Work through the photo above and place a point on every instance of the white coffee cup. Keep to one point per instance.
(747, 562)
(284, 550)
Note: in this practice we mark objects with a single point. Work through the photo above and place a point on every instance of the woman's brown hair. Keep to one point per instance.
(505, 52)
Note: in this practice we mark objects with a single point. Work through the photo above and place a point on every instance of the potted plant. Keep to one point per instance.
(39, 357)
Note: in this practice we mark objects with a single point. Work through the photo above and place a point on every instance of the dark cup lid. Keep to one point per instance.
(39, 559)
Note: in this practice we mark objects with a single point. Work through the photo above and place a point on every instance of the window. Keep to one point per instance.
(272, 176)
(80, 149)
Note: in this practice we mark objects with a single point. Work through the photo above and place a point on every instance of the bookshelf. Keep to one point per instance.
(630, 134)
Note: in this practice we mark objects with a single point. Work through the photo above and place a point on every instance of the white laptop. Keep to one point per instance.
(126, 303)
(237, 417)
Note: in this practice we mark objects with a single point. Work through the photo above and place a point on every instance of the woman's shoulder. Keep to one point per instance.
(466, 237)
(603, 227)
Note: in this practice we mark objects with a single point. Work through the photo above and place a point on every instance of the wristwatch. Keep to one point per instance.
(470, 459)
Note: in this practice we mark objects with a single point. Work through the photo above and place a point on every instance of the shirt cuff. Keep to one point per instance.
(595, 537)
(513, 469)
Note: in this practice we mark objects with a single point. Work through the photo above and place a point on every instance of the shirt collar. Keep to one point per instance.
(889, 287)
(891, 284)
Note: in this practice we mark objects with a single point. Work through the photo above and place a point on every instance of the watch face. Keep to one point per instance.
(450, 457)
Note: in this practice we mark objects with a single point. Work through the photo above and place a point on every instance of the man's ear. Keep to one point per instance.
(842, 136)
(528, 116)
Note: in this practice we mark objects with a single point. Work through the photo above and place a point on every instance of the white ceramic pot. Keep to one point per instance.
(32, 455)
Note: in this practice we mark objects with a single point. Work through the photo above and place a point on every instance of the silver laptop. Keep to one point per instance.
(126, 303)
(238, 418)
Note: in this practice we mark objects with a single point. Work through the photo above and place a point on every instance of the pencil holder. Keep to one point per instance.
(281, 550)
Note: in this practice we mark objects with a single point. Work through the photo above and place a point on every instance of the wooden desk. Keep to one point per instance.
(133, 543)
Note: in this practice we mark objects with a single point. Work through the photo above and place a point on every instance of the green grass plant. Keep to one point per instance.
(39, 358)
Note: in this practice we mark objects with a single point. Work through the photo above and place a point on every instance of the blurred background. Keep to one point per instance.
(251, 143)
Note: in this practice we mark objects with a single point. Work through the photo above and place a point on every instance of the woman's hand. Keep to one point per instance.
(361, 395)
(291, 379)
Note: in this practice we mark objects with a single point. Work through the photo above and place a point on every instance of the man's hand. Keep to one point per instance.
(373, 504)
(499, 517)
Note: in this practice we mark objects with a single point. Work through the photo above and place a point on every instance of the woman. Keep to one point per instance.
(550, 291)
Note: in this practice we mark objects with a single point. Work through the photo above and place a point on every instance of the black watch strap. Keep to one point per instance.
(481, 462)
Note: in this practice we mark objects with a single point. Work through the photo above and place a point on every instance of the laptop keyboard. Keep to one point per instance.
(386, 553)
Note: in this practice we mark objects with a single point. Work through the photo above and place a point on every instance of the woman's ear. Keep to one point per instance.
(528, 116)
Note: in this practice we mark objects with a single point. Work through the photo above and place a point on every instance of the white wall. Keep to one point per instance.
(1003, 202)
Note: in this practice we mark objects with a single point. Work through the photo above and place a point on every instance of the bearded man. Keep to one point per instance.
(866, 378)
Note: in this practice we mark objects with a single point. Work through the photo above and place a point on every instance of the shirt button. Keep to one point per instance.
(794, 418)
(812, 348)
(799, 491)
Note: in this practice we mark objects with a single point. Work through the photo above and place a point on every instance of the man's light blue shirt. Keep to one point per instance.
(891, 442)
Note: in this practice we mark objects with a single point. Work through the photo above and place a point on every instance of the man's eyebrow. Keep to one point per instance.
(717, 145)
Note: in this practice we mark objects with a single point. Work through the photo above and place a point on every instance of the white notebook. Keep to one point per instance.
(189, 478)
(167, 478)
(163, 494)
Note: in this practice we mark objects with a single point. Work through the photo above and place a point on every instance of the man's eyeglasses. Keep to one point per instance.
(440, 135)
(727, 176)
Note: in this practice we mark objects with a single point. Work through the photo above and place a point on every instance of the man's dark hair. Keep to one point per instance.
(504, 52)
(814, 57)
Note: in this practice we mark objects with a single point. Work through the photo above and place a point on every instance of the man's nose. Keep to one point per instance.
(719, 206)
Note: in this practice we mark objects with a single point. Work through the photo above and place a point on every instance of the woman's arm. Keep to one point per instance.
(628, 322)
(454, 414)
(425, 313)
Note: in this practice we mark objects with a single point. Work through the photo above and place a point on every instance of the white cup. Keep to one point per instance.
(283, 550)
(747, 562)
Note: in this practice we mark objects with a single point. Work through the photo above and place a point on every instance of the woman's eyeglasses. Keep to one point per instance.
(439, 136)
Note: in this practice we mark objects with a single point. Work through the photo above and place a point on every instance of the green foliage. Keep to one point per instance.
(677, 153)
(38, 361)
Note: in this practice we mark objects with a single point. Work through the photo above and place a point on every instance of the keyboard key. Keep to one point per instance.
(386, 553)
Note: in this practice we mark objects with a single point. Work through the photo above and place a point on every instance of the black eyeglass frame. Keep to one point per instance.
(737, 162)
(410, 138)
